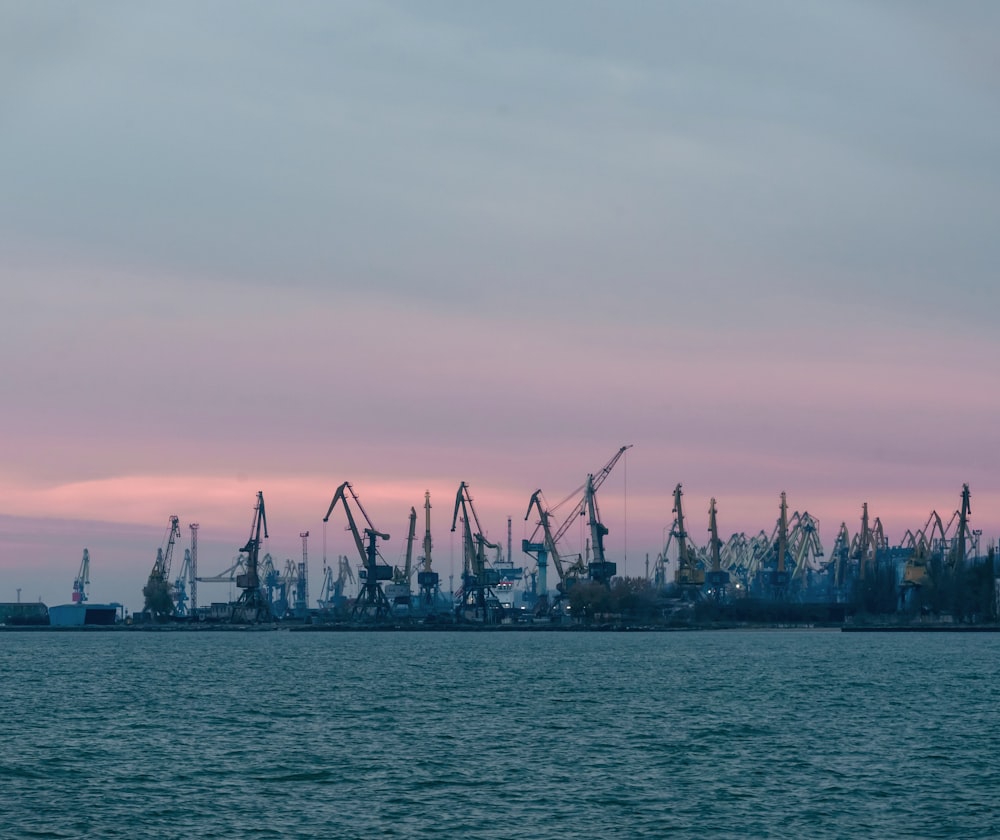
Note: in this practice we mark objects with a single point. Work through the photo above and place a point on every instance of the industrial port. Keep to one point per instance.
(939, 574)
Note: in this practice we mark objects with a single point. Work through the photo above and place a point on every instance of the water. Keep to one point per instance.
(729, 734)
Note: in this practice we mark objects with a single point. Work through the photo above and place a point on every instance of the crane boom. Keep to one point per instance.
(593, 483)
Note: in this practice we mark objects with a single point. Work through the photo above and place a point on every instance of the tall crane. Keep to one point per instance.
(478, 579)
(776, 578)
(688, 575)
(598, 569)
(402, 577)
(159, 601)
(179, 592)
(252, 605)
(427, 578)
(332, 592)
(717, 578)
(82, 580)
(544, 551)
(958, 553)
(371, 601)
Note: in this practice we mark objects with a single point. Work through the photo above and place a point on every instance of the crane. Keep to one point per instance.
(599, 569)
(159, 601)
(478, 580)
(427, 578)
(371, 600)
(332, 591)
(252, 605)
(193, 568)
(179, 593)
(776, 579)
(82, 580)
(717, 578)
(688, 575)
(805, 547)
(545, 550)
(301, 605)
(401, 577)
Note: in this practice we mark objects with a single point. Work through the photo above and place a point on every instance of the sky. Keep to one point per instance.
(248, 246)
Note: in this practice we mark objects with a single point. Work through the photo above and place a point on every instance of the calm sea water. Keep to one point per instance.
(804, 734)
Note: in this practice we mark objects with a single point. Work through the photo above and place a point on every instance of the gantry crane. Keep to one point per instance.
(159, 602)
(371, 601)
(252, 606)
(82, 580)
(427, 578)
(478, 579)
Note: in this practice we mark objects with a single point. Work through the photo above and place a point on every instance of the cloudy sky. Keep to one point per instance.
(256, 246)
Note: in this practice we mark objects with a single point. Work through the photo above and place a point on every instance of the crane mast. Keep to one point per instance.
(193, 569)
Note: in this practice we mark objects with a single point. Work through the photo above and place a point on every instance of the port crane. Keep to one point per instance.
(427, 578)
(544, 551)
(599, 569)
(332, 591)
(301, 605)
(252, 606)
(688, 576)
(717, 578)
(775, 577)
(157, 592)
(82, 580)
(401, 593)
(478, 579)
(179, 593)
(371, 600)
(805, 547)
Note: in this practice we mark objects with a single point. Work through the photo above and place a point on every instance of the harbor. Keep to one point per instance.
(938, 576)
